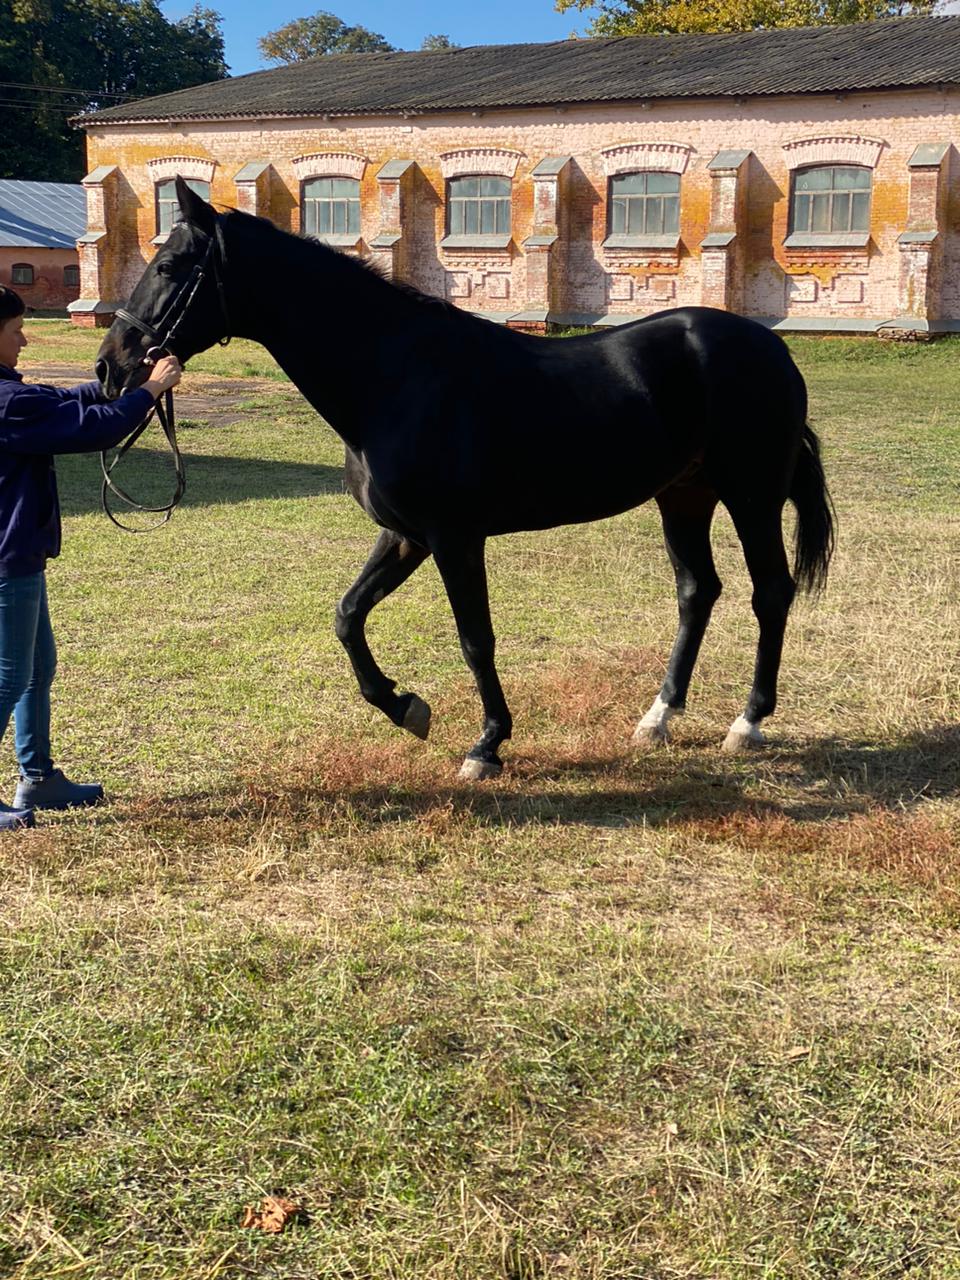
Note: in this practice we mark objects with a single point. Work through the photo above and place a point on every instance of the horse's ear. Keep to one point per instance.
(194, 208)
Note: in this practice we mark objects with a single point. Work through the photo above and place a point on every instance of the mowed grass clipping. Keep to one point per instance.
(622, 1016)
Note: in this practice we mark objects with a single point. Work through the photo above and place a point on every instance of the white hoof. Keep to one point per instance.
(650, 735)
(479, 770)
(743, 736)
(417, 717)
(652, 729)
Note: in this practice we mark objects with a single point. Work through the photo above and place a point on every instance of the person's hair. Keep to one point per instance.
(11, 304)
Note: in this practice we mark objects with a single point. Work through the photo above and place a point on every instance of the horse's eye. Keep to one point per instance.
(164, 269)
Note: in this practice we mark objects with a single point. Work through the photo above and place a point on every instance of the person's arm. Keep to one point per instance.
(92, 392)
(39, 420)
(87, 393)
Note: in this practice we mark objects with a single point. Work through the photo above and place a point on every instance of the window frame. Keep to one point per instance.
(74, 270)
(23, 267)
(801, 232)
(162, 203)
(457, 209)
(643, 202)
(353, 211)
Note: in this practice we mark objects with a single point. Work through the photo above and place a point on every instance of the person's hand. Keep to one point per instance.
(166, 373)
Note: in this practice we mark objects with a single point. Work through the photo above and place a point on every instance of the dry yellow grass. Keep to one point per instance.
(619, 1016)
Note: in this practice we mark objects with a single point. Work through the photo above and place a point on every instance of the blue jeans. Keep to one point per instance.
(28, 661)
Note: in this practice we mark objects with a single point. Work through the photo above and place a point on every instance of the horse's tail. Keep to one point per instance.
(815, 536)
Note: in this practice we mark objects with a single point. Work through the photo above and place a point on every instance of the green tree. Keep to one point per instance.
(60, 58)
(321, 34)
(437, 42)
(661, 17)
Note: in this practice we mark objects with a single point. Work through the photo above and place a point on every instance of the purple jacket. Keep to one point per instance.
(35, 423)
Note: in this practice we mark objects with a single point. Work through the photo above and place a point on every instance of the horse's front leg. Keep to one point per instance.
(464, 574)
(391, 562)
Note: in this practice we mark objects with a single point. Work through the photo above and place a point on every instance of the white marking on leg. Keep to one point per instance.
(653, 726)
(479, 770)
(742, 736)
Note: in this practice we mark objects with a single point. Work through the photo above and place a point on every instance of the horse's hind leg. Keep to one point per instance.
(391, 562)
(686, 511)
(761, 536)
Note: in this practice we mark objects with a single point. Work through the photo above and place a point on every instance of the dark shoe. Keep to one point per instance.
(56, 792)
(15, 819)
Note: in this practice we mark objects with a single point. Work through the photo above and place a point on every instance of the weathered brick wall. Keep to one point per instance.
(48, 292)
(951, 258)
(769, 279)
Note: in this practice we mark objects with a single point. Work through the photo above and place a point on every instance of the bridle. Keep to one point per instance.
(162, 335)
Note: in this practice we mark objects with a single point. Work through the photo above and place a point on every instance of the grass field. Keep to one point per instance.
(618, 1016)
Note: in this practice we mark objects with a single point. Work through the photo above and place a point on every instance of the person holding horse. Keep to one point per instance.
(37, 422)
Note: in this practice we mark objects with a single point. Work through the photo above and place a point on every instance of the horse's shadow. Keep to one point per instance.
(212, 479)
(829, 780)
(901, 774)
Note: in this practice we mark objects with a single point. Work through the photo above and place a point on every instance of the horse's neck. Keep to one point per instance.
(320, 318)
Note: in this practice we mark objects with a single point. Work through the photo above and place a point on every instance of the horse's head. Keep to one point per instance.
(178, 304)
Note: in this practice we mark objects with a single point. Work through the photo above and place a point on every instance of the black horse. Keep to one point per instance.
(457, 429)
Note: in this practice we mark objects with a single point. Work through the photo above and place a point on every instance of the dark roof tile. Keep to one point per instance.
(889, 53)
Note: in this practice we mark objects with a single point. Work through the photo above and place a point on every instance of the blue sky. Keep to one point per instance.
(403, 22)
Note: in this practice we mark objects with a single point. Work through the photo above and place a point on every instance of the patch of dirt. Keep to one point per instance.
(215, 402)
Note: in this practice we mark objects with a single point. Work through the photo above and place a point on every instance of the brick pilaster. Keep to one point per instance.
(97, 251)
(544, 246)
(390, 247)
(722, 249)
(921, 244)
(253, 188)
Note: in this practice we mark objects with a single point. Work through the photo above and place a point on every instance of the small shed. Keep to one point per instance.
(40, 223)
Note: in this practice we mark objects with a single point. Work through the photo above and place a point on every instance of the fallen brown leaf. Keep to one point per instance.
(272, 1216)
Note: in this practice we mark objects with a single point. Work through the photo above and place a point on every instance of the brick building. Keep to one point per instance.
(810, 178)
(39, 226)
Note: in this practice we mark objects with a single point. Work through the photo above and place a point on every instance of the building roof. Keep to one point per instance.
(41, 215)
(888, 53)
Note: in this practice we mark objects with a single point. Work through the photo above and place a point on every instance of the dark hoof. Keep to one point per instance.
(473, 770)
(416, 718)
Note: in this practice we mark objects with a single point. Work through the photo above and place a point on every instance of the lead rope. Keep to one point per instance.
(163, 408)
(164, 411)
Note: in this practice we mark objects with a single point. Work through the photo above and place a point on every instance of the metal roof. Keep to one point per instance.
(887, 53)
(41, 215)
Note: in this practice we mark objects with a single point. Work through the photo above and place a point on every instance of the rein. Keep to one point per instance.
(162, 335)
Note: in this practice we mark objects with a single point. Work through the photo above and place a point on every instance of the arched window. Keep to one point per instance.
(21, 273)
(831, 199)
(478, 206)
(330, 207)
(168, 206)
(645, 204)
(71, 276)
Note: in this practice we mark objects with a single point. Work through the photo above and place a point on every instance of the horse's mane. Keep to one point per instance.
(366, 265)
(403, 286)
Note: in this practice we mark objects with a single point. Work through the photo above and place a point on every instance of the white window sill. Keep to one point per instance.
(656, 243)
(498, 242)
(348, 240)
(827, 240)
